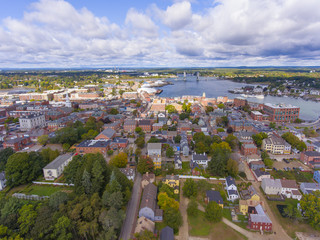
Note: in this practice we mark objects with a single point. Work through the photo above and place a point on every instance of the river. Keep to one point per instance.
(214, 88)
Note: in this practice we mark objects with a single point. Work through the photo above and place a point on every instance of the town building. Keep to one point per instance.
(310, 158)
(201, 159)
(259, 220)
(248, 206)
(184, 145)
(271, 186)
(167, 233)
(281, 112)
(276, 145)
(254, 165)
(17, 143)
(288, 187)
(55, 168)
(177, 162)
(129, 125)
(307, 188)
(248, 149)
(250, 194)
(147, 178)
(316, 176)
(172, 181)
(32, 121)
(215, 196)
(129, 172)
(148, 205)
(93, 146)
(106, 134)
(144, 224)
(146, 125)
(232, 189)
(259, 174)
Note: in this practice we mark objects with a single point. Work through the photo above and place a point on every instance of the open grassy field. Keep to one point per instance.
(290, 226)
(200, 227)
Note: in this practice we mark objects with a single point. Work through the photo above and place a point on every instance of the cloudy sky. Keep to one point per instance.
(159, 33)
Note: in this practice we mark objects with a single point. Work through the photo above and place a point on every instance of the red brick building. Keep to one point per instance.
(240, 102)
(146, 125)
(259, 220)
(93, 146)
(310, 158)
(17, 143)
(248, 149)
(281, 112)
(129, 125)
(257, 116)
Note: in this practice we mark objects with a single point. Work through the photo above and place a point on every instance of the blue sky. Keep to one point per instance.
(160, 33)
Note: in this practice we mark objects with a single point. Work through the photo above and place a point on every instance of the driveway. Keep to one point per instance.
(132, 210)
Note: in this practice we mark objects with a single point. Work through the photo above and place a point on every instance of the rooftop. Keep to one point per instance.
(58, 161)
(281, 105)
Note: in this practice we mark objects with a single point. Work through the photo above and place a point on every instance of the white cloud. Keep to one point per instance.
(231, 32)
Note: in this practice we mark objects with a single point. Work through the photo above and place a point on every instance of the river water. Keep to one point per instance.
(214, 88)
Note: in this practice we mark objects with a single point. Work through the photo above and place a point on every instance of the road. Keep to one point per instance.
(132, 210)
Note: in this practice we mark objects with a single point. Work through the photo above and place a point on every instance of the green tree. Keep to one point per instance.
(221, 106)
(43, 139)
(62, 229)
(27, 218)
(169, 152)
(65, 147)
(167, 189)
(177, 139)
(140, 142)
(209, 109)
(114, 111)
(190, 188)
(4, 155)
(192, 209)
(91, 134)
(310, 205)
(86, 182)
(57, 198)
(213, 212)
(119, 160)
(145, 235)
(171, 109)
(173, 219)
(145, 164)
(49, 155)
(232, 167)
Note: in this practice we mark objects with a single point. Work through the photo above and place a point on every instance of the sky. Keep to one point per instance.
(159, 33)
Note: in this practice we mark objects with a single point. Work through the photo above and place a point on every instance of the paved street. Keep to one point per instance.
(132, 210)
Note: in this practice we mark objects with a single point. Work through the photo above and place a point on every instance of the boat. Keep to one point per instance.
(259, 96)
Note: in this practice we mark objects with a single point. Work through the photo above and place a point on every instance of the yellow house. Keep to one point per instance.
(156, 161)
(250, 194)
(245, 205)
(172, 181)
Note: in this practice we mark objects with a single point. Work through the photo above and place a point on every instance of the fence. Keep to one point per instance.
(54, 184)
(197, 177)
(29, 197)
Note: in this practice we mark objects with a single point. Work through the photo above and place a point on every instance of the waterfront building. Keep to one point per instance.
(281, 112)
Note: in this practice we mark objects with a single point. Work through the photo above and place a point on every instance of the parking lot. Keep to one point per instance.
(280, 165)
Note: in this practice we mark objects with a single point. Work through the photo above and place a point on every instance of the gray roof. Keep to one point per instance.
(108, 132)
(199, 157)
(154, 145)
(94, 143)
(307, 185)
(58, 161)
(230, 181)
(260, 216)
(214, 196)
(167, 234)
(276, 183)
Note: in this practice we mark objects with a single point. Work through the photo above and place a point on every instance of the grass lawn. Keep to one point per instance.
(244, 221)
(290, 226)
(43, 190)
(200, 227)
(293, 175)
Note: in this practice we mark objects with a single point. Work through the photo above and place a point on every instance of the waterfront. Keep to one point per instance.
(213, 88)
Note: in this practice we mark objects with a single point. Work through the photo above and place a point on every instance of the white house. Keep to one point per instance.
(200, 159)
(287, 186)
(307, 188)
(54, 169)
(2, 181)
(129, 172)
(271, 186)
(154, 149)
(232, 189)
(32, 121)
